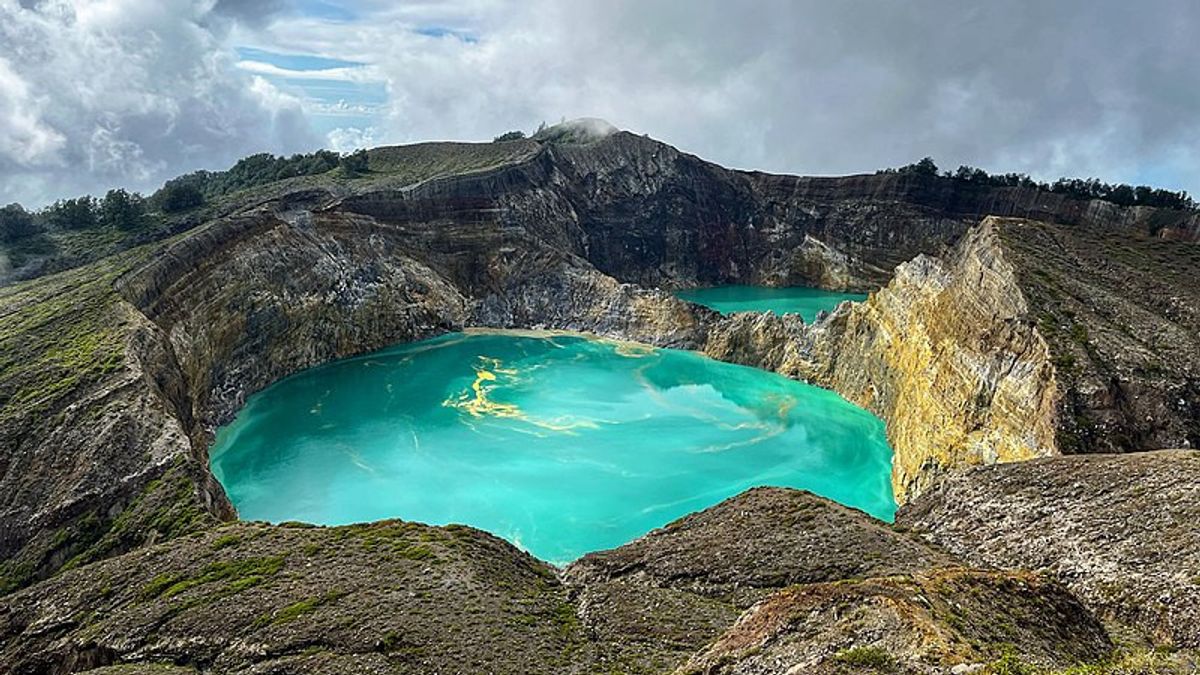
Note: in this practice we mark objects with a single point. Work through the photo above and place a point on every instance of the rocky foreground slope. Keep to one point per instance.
(1119, 530)
(402, 597)
(995, 340)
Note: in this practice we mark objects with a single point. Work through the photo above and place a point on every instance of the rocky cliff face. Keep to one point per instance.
(94, 453)
(930, 622)
(1121, 315)
(1026, 339)
(274, 292)
(947, 353)
(658, 217)
(556, 236)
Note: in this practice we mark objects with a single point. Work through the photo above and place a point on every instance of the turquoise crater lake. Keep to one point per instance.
(789, 300)
(560, 443)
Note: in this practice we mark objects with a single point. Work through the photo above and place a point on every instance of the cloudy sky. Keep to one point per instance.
(103, 93)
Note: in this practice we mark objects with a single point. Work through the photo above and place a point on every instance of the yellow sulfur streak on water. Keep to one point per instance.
(479, 404)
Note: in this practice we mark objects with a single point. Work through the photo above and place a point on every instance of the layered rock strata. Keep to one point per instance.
(947, 354)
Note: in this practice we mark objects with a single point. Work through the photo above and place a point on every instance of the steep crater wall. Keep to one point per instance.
(573, 237)
(656, 216)
(947, 354)
(277, 291)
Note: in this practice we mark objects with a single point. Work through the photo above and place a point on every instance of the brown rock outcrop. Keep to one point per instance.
(925, 624)
(1024, 339)
(1121, 531)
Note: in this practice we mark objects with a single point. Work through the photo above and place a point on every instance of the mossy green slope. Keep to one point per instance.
(93, 458)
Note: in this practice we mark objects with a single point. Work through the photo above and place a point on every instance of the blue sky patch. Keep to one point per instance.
(294, 61)
(329, 103)
(323, 9)
(442, 32)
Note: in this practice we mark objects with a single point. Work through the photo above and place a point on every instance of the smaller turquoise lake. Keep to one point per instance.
(561, 443)
(791, 300)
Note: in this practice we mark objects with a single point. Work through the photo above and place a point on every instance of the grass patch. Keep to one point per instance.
(409, 541)
(1079, 333)
(565, 620)
(1122, 662)
(297, 610)
(1011, 664)
(58, 335)
(241, 574)
(166, 509)
(225, 541)
(866, 658)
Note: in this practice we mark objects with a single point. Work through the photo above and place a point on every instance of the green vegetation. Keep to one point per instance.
(16, 223)
(226, 540)
(354, 164)
(391, 640)
(415, 552)
(1080, 188)
(72, 214)
(240, 575)
(71, 232)
(867, 658)
(181, 194)
(122, 210)
(248, 172)
(297, 609)
(923, 167)
(393, 643)
(56, 336)
(410, 164)
(1123, 661)
(1079, 333)
(405, 540)
(509, 136)
(75, 232)
(1011, 664)
(565, 620)
(15, 575)
(165, 509)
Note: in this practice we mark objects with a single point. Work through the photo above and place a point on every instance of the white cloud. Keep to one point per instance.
(126, 92)
(351, 138)
(801, 86)
(343, 74)
(24, 137)
(343, 108)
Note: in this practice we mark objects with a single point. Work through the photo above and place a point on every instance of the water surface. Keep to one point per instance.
(560, 443)
(800, 300)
